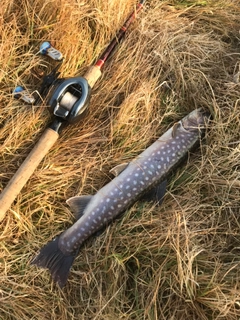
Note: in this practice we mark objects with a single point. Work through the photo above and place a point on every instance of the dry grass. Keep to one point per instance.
(177, 261)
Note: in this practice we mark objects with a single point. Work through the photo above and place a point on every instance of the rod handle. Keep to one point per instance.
(92, 75)
(15, 185)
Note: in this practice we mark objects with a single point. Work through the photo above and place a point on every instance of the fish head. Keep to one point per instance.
(196, 120)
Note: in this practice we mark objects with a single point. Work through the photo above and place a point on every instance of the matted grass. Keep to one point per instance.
(177, 261)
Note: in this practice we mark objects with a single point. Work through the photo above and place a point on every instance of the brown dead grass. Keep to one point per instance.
(176, 261)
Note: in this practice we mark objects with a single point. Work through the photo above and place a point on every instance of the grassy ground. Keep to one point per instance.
(177, 261)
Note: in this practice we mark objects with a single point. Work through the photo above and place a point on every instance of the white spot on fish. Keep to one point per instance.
(168, 159)
(146, 178)
(162, 159)
(134, 189)
(173, 154)
(128, 179)
(134, 182)
(150, 172)
(83, 229)
(112, 207)
(159, 166)
(87, 224)
(99, 218)
(129, 195)
(108, 200)
(119, 205)
(74, 239)
(136, 174)
(110, 213)
(142, 183)
(127, 187)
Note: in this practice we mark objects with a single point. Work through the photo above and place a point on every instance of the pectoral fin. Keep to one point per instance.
(118, 169)
(156, 194)
(175, 127)
(78, 204)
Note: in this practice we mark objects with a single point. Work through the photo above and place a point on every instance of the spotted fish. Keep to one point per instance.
(133, 180)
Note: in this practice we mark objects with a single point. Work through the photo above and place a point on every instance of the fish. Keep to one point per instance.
(145, 176)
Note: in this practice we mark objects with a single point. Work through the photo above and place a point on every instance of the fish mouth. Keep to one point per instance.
(196, 120)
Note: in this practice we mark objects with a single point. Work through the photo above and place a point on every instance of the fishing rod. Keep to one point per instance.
(68, 100)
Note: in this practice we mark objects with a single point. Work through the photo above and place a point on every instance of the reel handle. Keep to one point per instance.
(15, 185)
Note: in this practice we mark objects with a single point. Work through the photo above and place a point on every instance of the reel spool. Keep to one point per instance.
(69, 98)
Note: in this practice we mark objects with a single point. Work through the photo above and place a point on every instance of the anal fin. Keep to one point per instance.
(77, 204)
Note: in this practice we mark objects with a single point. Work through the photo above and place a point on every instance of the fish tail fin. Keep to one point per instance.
(58, 263)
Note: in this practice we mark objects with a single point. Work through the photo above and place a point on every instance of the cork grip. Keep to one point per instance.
(92, 75)
(22, 175)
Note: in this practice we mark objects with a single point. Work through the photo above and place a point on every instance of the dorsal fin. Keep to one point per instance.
(77, 204)
(119, 168)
